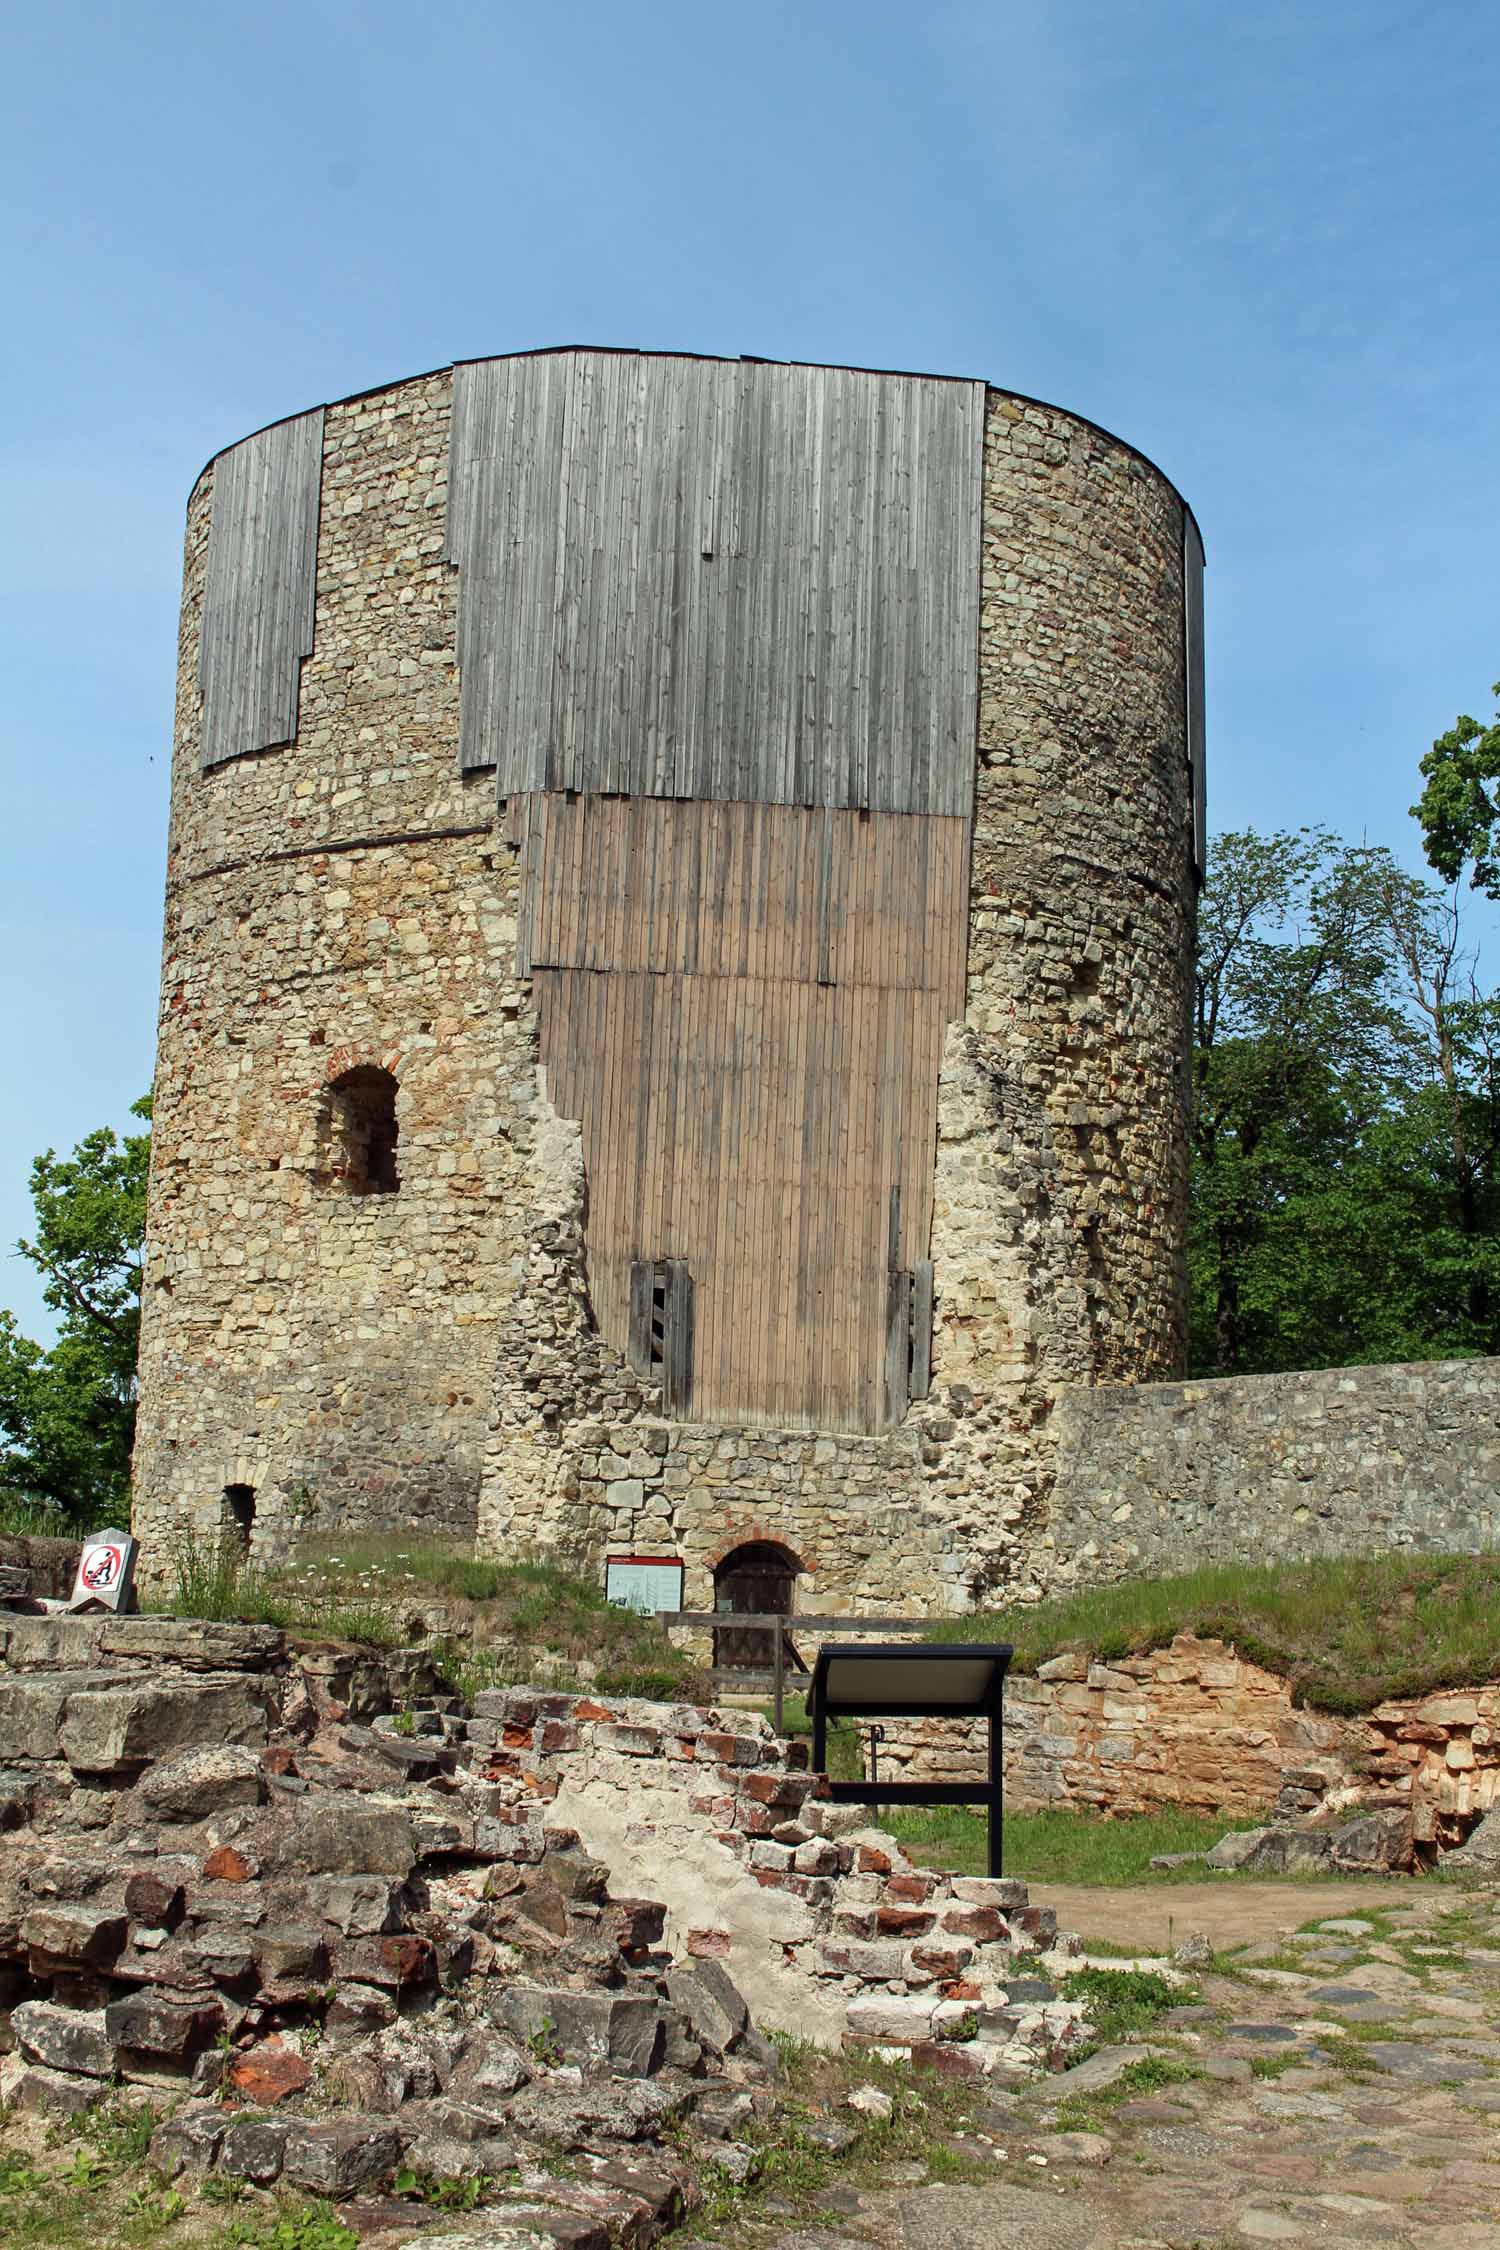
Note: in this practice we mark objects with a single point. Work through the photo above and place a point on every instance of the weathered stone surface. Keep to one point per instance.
(79, 1936)
(1479, 1854)
(1273, 1851)
(33, 1706)
(285, 1952)
(359, 2008)
(65, 2038)
(341, 2157)
(269, 2074)
(399, 1963)
(193, 1644)
(359, 1905)
(153, 1899)
(619, 2109)
(195, 1783)
(52, 2093)
(156, 2026)
(123, 1726)
(189, 2140)
(712, 2003)
(253, 2149)
(598, 2030)
(339, 1837)
(885, 2017)
(1377, 1840)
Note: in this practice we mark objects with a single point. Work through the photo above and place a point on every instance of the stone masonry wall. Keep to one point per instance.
(430, 1357)
(1200, 1726)
(1348, 1460)
(825, 1926)
(341, 900)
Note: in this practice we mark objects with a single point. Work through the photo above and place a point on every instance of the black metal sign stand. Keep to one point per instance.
(933, 1680)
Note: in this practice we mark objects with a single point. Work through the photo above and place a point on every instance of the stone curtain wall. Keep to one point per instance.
(1351, 1460)
(431, 1357)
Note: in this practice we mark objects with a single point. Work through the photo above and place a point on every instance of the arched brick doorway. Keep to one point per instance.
(759, 1576)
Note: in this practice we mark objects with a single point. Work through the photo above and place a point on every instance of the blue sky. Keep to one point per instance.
(1260, 243)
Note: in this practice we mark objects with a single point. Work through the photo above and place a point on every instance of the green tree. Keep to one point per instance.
(67, 1415)
(1299, 1038)
(1346, 1156)
(1459, 808)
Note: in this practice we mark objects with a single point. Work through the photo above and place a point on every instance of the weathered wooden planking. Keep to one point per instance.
(773, 891)
(505, 464)
(1192, 602)
(718, 579)
(259, 588)
(753, 1131)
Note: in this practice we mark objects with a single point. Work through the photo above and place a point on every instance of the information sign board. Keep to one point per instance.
(644, 1582)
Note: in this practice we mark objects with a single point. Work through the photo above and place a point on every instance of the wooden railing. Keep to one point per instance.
(780, 1630)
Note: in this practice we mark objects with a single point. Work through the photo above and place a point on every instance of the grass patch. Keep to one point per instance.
(526, 1619)
(1344, 2051)
(24, 1518)
(1084, 2113)
(846, 1743)
(1123, 2001)
(928, 2116)
(1346, 1631)
(1063, 1847)
(215, 1582)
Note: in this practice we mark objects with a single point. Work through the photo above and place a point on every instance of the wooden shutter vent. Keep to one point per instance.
(908, 1331)
(661, 1328)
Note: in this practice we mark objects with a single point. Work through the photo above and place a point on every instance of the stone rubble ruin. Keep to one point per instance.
(333, 1922)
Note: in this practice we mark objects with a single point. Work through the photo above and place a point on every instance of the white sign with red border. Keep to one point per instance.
(105, 1570)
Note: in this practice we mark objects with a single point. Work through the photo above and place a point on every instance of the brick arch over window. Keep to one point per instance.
(358, 1132)
(751, 1532)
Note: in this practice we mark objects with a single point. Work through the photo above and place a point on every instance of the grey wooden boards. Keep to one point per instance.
(259, 587)
(717, 579)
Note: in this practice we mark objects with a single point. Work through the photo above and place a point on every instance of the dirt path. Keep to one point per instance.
(1156, 1917)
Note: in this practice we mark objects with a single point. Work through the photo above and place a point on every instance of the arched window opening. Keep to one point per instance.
(360, 1133)
(239, 1516)
(760, 1577)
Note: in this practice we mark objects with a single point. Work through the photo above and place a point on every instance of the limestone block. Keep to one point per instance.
(73, 2039)
(106, 1729)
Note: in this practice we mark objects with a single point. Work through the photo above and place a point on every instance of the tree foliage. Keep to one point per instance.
(1459, 809)
(67, 1414)
(1346, 1153)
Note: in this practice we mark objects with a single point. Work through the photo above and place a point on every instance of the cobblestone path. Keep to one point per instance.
(1340, 2086)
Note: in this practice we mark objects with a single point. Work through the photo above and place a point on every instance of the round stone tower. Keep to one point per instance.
(675, 996)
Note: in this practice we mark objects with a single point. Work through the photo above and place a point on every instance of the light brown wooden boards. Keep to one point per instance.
(753, 1131)
(768, 891)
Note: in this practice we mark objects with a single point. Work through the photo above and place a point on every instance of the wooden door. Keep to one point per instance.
(754, 1578)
